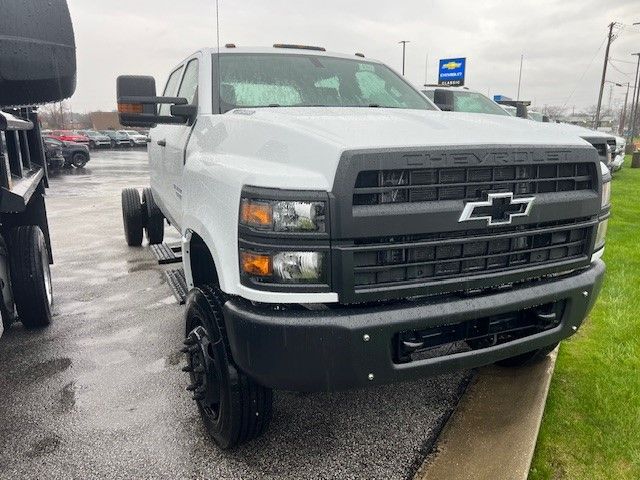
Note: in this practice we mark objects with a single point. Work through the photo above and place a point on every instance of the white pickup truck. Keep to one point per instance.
(339, 231)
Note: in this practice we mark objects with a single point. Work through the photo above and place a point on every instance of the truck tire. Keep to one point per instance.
(132, 216)
(233, 407)
(31, 276)
(7, 307)
(154, 226)
(527, 358)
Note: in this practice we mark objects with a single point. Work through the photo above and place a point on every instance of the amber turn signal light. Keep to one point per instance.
(130, 108)
(256, 214)
(256, 264)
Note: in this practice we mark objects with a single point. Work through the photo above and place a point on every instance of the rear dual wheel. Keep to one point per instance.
(30, 276)
(141, 215)
(233, 407)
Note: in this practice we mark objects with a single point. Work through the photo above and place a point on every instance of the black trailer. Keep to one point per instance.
(37, 65)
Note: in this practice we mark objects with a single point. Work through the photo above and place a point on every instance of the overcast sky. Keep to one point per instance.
(562, 40)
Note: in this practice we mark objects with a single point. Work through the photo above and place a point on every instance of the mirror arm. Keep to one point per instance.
(152, 100)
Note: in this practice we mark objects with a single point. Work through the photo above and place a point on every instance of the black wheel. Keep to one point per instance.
(131, 143)
(527, 358)
(113, 144)
(233, 407)
(132, 216)
(79, 159)
(31, 276)
(7, 307)
(154, 219)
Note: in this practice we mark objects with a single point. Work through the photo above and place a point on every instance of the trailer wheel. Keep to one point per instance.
(132, 216)
(31, 276)
(155, 219)
(527, 358)
(233, 407)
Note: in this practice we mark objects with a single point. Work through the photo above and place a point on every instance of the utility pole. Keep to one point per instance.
(404, 49)
(634, 102)
(604, 73)
(519, 77)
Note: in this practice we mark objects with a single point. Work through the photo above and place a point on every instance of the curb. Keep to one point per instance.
(493, 432)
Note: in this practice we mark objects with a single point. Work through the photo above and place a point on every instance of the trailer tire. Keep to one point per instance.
(31, 276)
(234, 408)
(132, 216)
(528, 358)
(7, 306)
(154, 227)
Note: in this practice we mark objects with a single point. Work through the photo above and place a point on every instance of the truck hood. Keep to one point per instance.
(354, 128)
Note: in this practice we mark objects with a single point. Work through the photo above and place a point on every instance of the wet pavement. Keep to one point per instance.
(100, 393)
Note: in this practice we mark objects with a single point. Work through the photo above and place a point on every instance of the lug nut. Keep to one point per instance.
(585, 294)
(370, 376)
(366, 337)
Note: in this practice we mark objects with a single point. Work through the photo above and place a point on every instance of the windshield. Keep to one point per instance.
(536, 116)
(473, 102)
(277, 80)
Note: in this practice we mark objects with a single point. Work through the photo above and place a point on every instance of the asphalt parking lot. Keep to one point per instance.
(101, 393)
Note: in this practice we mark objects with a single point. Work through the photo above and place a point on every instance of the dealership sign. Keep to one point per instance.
(451, 71)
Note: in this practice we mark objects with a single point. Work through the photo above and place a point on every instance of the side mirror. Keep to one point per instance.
(443, 98)
(37, 52)
(138, 103)
(521, 110)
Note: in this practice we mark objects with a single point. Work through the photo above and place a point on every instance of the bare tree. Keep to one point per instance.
(55, 115)
(554, 111)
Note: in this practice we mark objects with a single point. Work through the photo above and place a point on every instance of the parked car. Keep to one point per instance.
(618, 154)
(338, 231)
(69, 136)
(116, 139)
(75, 154)
(53, 152)
(135, 139)
(96, 139)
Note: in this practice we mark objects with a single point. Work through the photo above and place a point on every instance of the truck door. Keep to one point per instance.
(157, 161)
(176, 138)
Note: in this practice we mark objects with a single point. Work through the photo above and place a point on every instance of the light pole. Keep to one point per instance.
(404, 49)
(623, 115)
(634, 102)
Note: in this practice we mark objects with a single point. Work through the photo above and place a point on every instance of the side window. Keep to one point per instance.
(189, 86)
(170, 90)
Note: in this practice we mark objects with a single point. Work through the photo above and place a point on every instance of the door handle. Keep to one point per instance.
(162, 143)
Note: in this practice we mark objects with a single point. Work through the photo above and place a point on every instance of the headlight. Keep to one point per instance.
(601, 235)
(606, 194)
(283, 216)
(284, 267)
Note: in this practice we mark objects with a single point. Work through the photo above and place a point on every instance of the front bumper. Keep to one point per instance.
(324, 350)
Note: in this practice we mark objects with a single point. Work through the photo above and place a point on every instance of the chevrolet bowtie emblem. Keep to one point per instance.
(498, 209)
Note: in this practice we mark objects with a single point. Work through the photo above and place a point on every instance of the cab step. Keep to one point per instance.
(178, 284)
(167, 253)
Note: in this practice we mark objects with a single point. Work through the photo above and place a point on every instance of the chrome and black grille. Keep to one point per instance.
(396, 220)
(402, 260)
(374, 187)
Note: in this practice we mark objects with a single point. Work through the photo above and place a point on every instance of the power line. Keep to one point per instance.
(579, 82)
